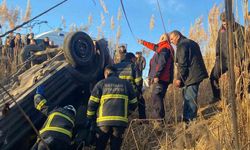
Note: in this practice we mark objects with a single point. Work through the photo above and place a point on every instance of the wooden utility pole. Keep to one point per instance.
(232, 96)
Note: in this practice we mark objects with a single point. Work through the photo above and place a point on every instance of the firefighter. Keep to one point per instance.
(58, 128)
(127, 70)
(114, 98)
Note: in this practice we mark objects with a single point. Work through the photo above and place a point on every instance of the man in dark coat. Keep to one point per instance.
(191, 72)
(221, 61)
(161, 72)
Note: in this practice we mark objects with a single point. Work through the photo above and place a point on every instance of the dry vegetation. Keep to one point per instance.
(152, 22)
(119, 14)
(10, 17)
(27, 12)
(104, 7)
(103, 19)
(197, 31)
(63, 22)
(213, 128)
(112, 23)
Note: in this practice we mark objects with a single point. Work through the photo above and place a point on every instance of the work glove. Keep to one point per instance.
(89, 128)
(91, 136)
(40, 90)
(77, 143)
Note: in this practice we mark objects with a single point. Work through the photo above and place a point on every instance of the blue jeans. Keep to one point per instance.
(190, 108)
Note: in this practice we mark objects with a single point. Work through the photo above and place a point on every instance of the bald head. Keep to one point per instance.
(175, 36)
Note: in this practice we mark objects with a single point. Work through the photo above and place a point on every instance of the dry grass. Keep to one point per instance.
(119, 14)
(13, 17)
(104, 7)
(118, 34)
(63, 21)
(213, 28)
(112, 23)
(90, 19)
(72, 27)
(100, 33)
(152, 22)
(197, 31)
(103, 22)
(213, 127)
(4, 12)
(213, 23)
(9, 16)
(83, 27)
(87, 26)
(27, 12)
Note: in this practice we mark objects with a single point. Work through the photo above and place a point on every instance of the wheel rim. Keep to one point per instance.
(82, 49)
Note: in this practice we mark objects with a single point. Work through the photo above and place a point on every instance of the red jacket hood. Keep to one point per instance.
(164, 44)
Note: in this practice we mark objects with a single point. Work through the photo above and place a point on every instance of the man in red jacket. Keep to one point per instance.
(161, 72)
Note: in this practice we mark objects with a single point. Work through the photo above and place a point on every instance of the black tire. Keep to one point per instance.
(78, 49)
(26, 51)
(95, 71)
(66, 39)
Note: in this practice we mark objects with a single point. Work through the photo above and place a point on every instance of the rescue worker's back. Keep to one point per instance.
(114, 97)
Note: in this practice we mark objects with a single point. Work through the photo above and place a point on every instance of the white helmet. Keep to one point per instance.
(70, 107)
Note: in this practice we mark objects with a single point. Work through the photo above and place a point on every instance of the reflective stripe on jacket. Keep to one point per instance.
(128, 71)
(41, 104)
(110, 100)
(59, 125)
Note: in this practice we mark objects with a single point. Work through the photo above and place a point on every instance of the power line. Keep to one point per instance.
(163, 24)
(26, 22)
(123, 9)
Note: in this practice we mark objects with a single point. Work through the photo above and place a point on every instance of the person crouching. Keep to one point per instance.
(58, 128)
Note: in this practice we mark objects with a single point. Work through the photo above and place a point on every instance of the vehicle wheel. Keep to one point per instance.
(78, 49)
(95, 72)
